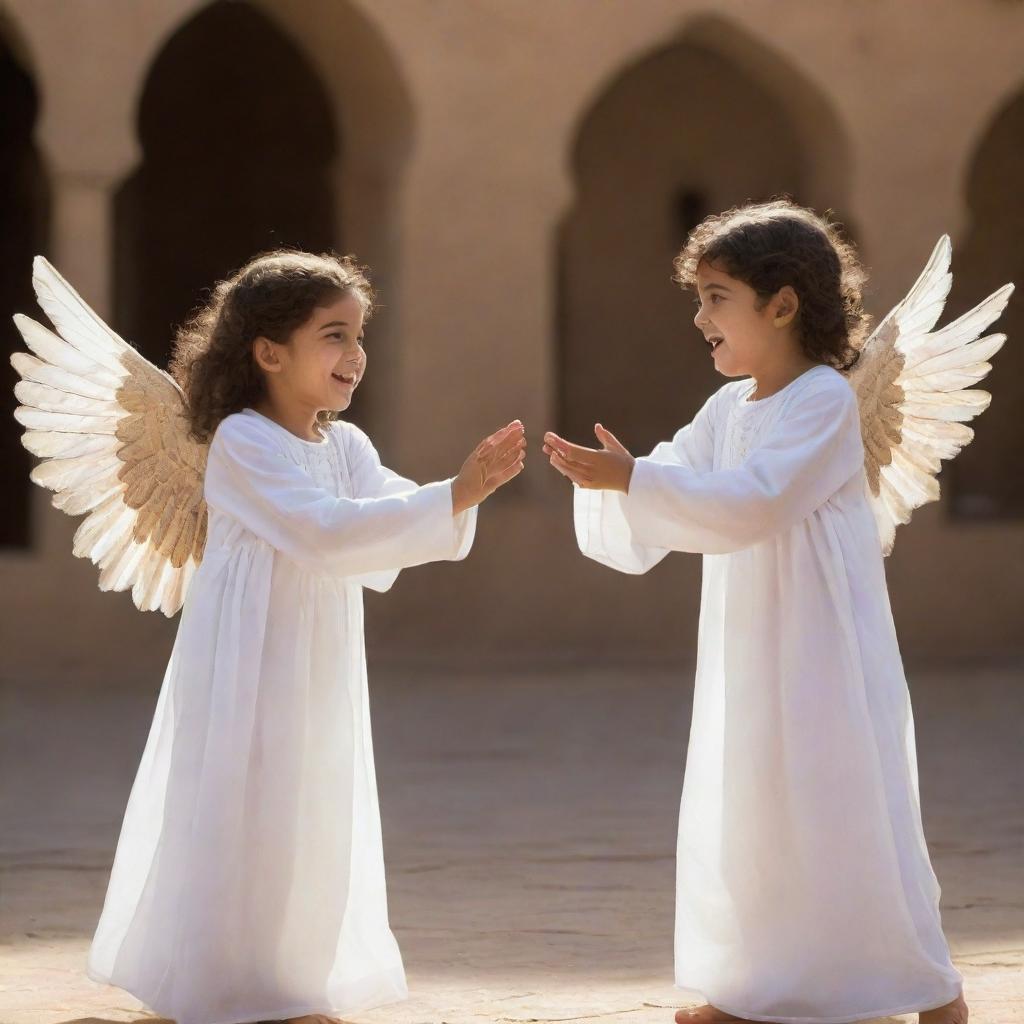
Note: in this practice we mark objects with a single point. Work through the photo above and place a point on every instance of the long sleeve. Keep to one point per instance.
(811, 452)
(249, 480)
(372, 480)
(602, 529)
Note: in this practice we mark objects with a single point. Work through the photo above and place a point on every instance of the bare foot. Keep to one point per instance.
(952, 1013)
(712, 1015)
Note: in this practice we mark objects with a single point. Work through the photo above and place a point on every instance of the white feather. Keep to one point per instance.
(95, 410)
(53, 349)
(50, 399)
(49, 445)
(34, 369)
(921, 380)
(67, 423)
(73, 318)
(62, 474)
(79, 500)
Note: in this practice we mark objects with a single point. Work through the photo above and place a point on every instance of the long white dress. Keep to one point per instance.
(248, 882)
(804, 888)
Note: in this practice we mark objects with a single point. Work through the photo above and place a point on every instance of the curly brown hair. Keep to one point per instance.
(272, 295)
(769, 245)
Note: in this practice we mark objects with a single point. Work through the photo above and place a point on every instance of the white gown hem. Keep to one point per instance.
(278, 1013)
(845, 1018)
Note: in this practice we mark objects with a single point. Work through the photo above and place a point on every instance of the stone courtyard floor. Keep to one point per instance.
(529, 831)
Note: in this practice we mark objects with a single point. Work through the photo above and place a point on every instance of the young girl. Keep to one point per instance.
(804, 888)
(248, 882)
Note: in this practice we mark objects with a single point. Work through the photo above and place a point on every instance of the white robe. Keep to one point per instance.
(248, 882)
(804, 887)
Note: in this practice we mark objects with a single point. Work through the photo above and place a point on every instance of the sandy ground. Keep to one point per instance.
(529, 826)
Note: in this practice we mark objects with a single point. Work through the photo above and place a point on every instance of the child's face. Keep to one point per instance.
(323, 362)
(743, 338)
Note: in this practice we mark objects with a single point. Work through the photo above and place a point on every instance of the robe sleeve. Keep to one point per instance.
(372, 480)
(602, 530)
(811, 452)
(249, 479)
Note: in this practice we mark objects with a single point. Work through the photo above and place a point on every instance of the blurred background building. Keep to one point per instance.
(519, 175)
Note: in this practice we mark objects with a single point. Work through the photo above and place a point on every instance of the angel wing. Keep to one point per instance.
(112, 431)
(913, 387)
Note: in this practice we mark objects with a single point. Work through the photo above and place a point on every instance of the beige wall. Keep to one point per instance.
(461, 122)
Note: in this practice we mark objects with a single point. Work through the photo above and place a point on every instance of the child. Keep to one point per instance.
(804, 888)
(248, 882)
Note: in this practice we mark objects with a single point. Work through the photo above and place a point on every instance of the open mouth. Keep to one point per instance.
(346, 378)
(714, 341)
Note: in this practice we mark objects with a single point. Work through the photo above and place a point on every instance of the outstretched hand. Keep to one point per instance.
(493, 462)
(608, 468)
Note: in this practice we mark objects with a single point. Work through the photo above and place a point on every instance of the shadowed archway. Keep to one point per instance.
(24, 215)
(688, 130)
(985, 482)
(238, 141)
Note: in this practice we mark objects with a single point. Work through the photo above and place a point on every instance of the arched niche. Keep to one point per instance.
(239, 151)
(24, 216)
(702, 124)
(984, 481)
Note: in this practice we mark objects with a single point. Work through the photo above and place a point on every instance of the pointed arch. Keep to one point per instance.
(260, 125)
(709, 120)
(237, 138)
(982, 481)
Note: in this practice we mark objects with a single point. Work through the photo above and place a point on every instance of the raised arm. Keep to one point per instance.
(602, 530)
(811, 452)
(248, 479)
(370, 479)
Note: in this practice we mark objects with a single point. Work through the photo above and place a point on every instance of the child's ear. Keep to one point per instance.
(786, 303)
(264, 351)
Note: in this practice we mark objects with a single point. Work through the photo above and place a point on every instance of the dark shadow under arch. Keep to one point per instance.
(24, 217)
(985, 481)
(239, 142)
(684, 132)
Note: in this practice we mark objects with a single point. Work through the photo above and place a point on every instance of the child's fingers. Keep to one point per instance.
(511, 431)
(501, 472)
(557, 443)
(559, 449)
(609, 440)
(576, 473)
(482, 448)
(508, 458)
(570, 452)
(513, 442)
(504, 454)
(509, 473)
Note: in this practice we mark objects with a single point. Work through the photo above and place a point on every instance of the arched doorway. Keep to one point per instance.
(239, 142)
(984, 480)
(24, 209)
(684, 132)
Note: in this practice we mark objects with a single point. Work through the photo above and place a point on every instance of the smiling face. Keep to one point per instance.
(742, 332)
(735, 329)
(323, 361)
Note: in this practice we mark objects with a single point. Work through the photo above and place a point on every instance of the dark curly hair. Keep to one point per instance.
(769, 245)
(272, 295)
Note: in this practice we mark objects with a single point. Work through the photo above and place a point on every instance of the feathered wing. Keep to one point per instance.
(913, 387)
(112, 431)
